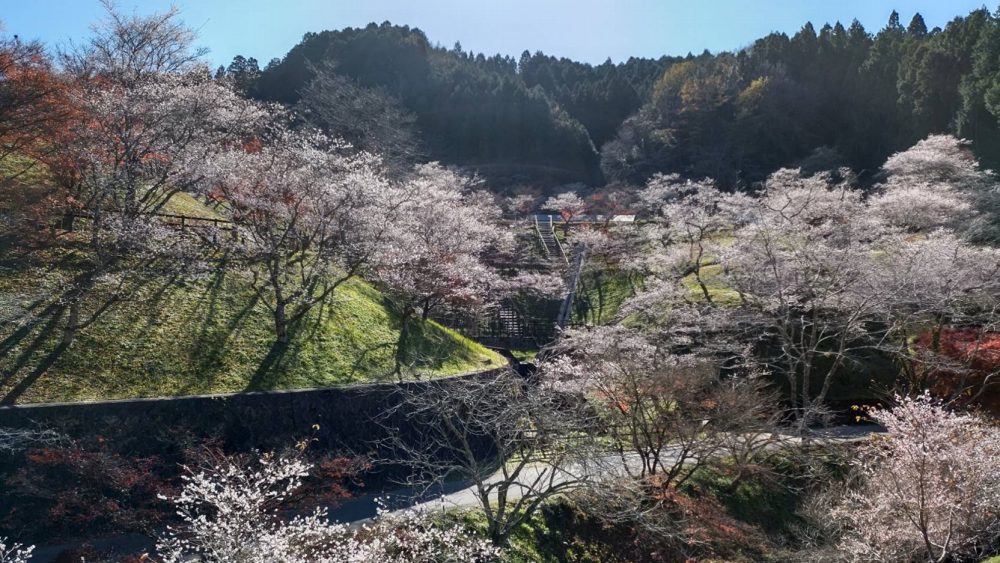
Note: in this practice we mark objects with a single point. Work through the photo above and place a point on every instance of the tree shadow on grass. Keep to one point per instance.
(210, 347)
(358, 366)
(213, 291)
(54, 310)
(152, 304)
(51, 314)
(276, 361)
(43, 331)
(212, 339)
(41, 337)
(39, 370)
(270, 367)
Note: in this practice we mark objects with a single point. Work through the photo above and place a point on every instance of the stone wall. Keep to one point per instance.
(349, 418)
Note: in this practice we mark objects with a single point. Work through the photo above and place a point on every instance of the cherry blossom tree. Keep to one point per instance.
(928, 490)
(435, 253)
(930, 185)
(413, 536)
(663, 189)
(142, 144)
(692, 216)
(922, 290)
(938, 183)
(531, 283)
(518, 446)
(568, 205)
(810, 274)
(232, 512)
(790, 262)
(128, 48)
(151, 118)
(15, 553)
(663, 414)
(520, 204)
(800, 269)
(309, 213)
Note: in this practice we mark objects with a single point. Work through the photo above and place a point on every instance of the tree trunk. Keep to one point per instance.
(76, 297)
(72, 323)
(67, 221)
(402, 345)
(281, 323)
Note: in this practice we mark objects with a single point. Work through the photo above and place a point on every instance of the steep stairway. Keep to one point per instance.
(547, 234)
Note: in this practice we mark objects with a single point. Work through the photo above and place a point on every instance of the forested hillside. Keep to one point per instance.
(466, 109)
(838, 95)
(827, 96)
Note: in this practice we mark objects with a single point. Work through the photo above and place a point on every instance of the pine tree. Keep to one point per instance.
(917, 27)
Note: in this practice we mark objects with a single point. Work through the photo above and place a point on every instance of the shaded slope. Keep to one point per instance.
(204, 336)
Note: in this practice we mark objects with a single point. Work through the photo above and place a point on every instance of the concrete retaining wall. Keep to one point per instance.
(347, 417)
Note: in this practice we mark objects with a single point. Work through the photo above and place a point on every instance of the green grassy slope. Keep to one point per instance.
(206, 336)
(183, 203)
(601, 294)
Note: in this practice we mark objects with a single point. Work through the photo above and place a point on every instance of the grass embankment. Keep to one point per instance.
(524, 355)
(718, 291)
(183, 203)
(601, 294)
(204, 336)
(753, 518)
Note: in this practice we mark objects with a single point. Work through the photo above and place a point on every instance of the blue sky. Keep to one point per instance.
(585, 30)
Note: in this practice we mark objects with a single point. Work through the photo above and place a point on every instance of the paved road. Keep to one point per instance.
(463, 494)
(451, 495)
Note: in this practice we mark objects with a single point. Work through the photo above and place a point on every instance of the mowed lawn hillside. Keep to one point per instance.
(205, 335)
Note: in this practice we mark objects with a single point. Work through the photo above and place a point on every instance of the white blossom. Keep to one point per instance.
(928, 490)
(308, 213)
(434, 253)
(231, 513)
(566, 204)
(810, 269)
(15, 553)
(931, 185)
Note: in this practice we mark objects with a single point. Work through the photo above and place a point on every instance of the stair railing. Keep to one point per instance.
(541, 239)
(562, 251)
(572, 282)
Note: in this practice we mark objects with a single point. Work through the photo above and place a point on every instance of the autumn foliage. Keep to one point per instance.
(967, 363)
(110, 493)
(35, 104)
(36, 112)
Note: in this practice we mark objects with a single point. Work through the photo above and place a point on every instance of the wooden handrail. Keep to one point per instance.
(541, 239)
(562, 251)
(572, 283)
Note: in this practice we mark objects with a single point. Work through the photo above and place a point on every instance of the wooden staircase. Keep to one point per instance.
(547, 234)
